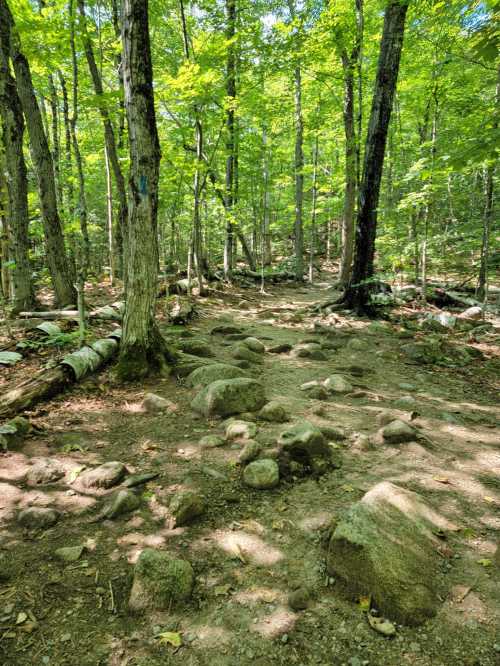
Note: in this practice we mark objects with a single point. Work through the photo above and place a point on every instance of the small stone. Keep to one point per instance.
(244, 353)
(250, 452)
(240, 430)
(280, 349)
(38, 517)
(69, 553)
(160, 581)
(105, 476)
(397, 432)
(358, 344)
(186, 505)
(211, 441)
(261, 474)
(312, 351)
(123, 502)
(299, 599)
(337, 384)
(154, 404)
(255, 345)
(274, 412)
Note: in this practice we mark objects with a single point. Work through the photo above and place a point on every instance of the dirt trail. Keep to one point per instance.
(251, 548)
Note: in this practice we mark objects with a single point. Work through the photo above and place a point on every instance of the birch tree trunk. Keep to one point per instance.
(16, 183)
(142, 350)
(360, 287)
(231, 136)
(57, 259)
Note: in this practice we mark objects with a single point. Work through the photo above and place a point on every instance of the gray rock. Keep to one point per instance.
(299, 599)
(197, 348)
(255, 345)
(312, 351)
(69, 553)
(44, 471)
(405, 402)
(337, 384)
(274, 412)
(243, 353)
(304, 443)
(404, 386)
(316, 392)
(38, 517)
(211, 441)
(230, 396)
(385, 548)
(187, 363)
(261, 474)
(225, 329)
(160, 581)
(236, 429)
(384, 417)
(153, 404)
(105, 476)
(397, 432)
(250, 452)
(422, 353)
(124, 501)
(212, 373)
(283, 348)
(185, 506)
(358, 344)
(333, 434)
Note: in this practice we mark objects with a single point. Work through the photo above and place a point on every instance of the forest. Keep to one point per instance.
(249, 332)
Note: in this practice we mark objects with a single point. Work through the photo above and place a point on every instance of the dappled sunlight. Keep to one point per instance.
(73, 502)
(9, 498)
(256, 595)
(280, 621)
(315, 522)
(210, 637)
(246, 547)
(13, 467)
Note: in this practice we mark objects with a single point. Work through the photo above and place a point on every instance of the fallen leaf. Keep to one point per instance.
(489, 500)
(21, 617)
(441, 479)
(170, 638)
(485, 562)
(381, 625)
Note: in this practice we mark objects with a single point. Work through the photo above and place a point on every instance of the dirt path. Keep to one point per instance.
(251, 548)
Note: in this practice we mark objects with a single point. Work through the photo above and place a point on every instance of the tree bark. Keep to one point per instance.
(299, 177)
(16, 183)
(143, 350)
(57, 259)
(231, 136)
(359, 291)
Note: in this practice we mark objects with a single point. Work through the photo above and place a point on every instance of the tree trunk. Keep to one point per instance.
(266, 231)
(109, 138)
(16, 185)
(143, 350)
(56, 149)
(67, 144)
(312, 238)
(299, 177)
(57, 259)
(231, 135)
(361, 285)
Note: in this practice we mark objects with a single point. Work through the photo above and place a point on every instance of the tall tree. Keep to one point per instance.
(57, 259)
(360, 287)
(231, 134)
(143, 350)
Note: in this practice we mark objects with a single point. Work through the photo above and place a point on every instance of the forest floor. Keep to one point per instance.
(252, 547)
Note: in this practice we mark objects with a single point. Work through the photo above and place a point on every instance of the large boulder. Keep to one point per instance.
(230, 396)
(212, 373)
(160, 581)
(385, 547)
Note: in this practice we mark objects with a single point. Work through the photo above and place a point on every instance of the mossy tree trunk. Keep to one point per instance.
(143, 350)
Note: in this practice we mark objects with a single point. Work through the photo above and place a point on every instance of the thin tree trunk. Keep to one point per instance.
(266, 231)
(109, 215)
(16, 186)
(299, 177)
(56, 149)
(67, 144)
(57, 259)
(360, 288)
(312, 238)
(231, 136)
(143, 350)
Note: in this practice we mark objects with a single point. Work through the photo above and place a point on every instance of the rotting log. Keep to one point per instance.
(106, 312)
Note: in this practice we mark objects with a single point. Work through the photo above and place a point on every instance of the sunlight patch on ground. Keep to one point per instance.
(279, 622)
(247, 547)
(257, 595)
(14, 467)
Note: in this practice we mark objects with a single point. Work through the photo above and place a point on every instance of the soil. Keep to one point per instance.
(252, 548)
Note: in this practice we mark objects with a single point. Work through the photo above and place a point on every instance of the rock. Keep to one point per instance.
(312, 351)
(404, 386)
(154, 404)
(135, 480)
(230, 396)
(211, 441)
(212, 373)
(316, 391)
(397, 432)
(440, 323)
(304, 443)
(69, 553)
(225, 329)
(188, 363)
(274, 412)
(407, 402)
(299, 599)
(185, 506)
(333, 434)
(255, 345)
(160, 581)
(44, 471)
(422, 353)
(261, 474)
(384, 417)
(474, 312)
(337, 384)
(124, 501)
(38, 517)
(280, 349)
(243, 353)
(105, 476)
(385, 547)
(250, 452)
(240, 430)
(358, 344)
(196, 348)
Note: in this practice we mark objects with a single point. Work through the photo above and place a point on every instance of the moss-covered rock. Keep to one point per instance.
(230, 396)
(212, 373)
(262, 474)
(185, 506)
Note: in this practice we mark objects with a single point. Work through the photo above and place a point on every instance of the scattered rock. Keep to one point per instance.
(422, 353)
(187, 363)
(337, 384)
(299, 599)
(240, 430)
(316, 391)
(185, 506)
(124, 501)
(250, 452)
(153, 404)
(105, 476)
(358, 344)
(407, 402)
(280, 349)
(230, 396)
(332, 434)
(211, 441)
(255, 345)
(306, 445)
(69, 553)
(312, 351)
(244, 353)
(196, 348)
(38, 517)
(381, 625)
(385, 547)
(261, 474)
(274, 412)
(474, 312)
(225, 329)
(44, 471)
(397, 432)
(212, 373)
(384, 417)
(160, 581)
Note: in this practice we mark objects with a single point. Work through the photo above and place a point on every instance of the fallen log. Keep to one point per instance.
(111, 312)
